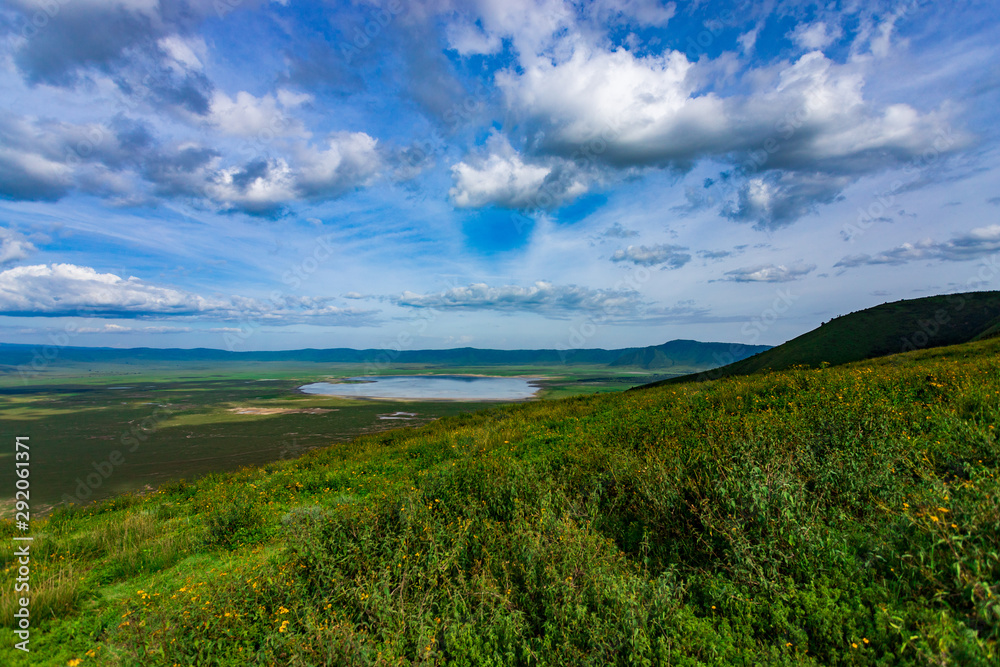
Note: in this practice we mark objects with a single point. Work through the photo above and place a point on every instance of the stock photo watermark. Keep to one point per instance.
(365, 32)
(41, 18)
(102, 470)
(885, 200)
(295, 276)
(420, 151)
(752, 330)
(22, 543)
(389, 350)
(578, 334)
(929, 328)
(43, 356)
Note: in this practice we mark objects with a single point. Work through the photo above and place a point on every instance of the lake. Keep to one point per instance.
(452, 387)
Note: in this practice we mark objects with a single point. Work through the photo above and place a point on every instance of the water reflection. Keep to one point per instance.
(455, 387)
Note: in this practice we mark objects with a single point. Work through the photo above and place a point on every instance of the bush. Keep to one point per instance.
(237, 523)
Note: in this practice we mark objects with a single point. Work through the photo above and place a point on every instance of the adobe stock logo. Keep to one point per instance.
(379, 19)
(753, 329)
(132, 438)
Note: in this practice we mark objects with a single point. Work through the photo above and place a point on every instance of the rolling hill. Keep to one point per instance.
(686, 354)
(900, 326)
(690, 353)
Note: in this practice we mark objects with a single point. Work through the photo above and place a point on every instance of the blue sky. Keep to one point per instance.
(495, 173)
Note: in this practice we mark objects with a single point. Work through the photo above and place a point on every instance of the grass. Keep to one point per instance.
(847, 515)
(173, 422)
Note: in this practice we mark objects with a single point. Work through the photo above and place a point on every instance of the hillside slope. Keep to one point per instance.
(890, 328)
(838, 516)
(688, 353)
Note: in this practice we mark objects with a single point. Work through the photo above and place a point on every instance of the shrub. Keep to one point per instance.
(236, 523)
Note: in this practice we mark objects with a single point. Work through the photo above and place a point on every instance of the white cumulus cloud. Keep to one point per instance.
(57, 290)
(67, 289)
(503, 178)
(261, 118)
(769, 273)
(804, 130)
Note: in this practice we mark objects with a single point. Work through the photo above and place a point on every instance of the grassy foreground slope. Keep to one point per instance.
(840, 516)
(900, 326)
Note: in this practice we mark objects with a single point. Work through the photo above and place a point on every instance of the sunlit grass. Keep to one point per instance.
(36, 412)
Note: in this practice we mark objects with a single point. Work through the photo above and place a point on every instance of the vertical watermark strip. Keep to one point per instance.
(22, 543)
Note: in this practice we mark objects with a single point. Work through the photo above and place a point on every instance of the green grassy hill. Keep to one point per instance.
(847, 515)
(686, 353)
(900, 326)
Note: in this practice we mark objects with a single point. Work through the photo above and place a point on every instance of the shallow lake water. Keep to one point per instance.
(454, 387)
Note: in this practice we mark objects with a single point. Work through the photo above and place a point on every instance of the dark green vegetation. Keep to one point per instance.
(687, 354)
(163, 430)
(900, 326)
(134, 426)
(847, 515)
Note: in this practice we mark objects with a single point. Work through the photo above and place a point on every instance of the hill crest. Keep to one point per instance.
(889, 328)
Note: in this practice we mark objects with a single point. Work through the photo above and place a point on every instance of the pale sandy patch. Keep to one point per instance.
(280, 411)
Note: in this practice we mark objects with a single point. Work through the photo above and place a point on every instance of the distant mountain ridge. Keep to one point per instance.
(899, 326)
(682, 353)
(687, 353)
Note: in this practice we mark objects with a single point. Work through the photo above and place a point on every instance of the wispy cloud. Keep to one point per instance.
(670, 256)
(973, 244)
(616, 231)
(770, 273)
(813, 36)
(14, 246)
(119, 329)
(716, 254)
(541, 297)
